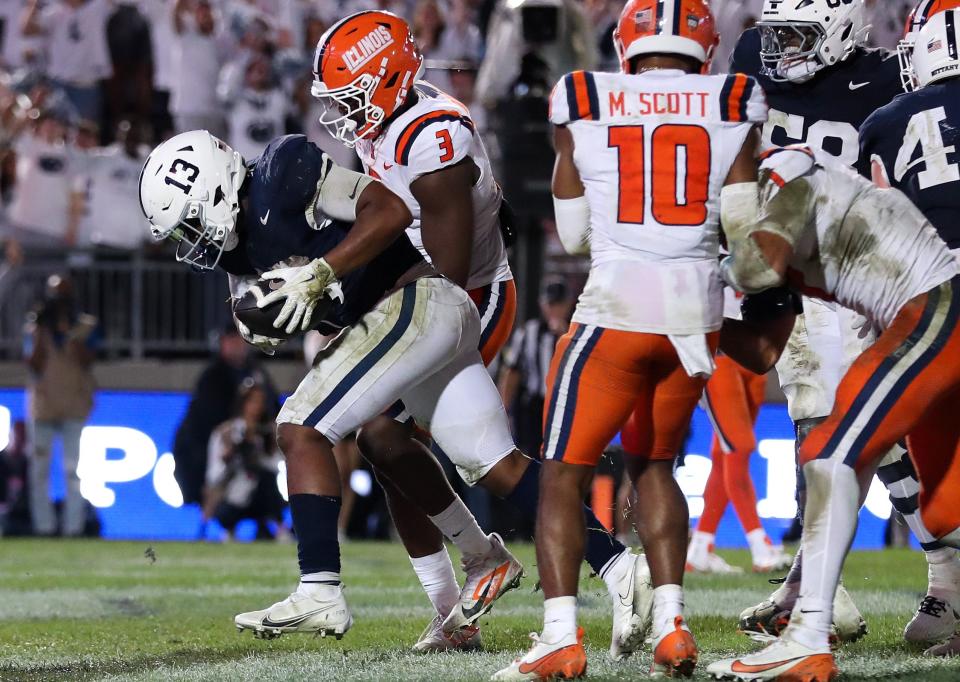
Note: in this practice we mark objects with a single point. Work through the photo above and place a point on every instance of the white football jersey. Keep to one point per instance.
(435, 133)
(867, 248)
(653, 151)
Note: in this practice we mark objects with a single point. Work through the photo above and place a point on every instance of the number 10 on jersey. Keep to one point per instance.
(679, 163)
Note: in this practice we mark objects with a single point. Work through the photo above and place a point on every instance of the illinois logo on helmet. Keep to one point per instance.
(682, 27)
(363, 69)
(916, 20)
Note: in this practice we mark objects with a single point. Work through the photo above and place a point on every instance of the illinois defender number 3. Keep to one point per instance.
(446, 145)
(680, 178)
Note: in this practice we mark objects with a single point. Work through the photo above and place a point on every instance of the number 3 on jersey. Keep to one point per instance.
(679, 163)
(446, 145)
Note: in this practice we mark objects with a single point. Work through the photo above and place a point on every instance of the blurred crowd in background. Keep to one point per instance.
(87, 86)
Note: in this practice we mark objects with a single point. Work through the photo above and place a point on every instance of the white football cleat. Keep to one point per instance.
(771, 558)
(783, 659)
(435, 640)
(562, 660)
(934, 621)
(632, 609)
(949, 648)
(710, 562)
(300, 612)
(848, 622)
(488, 577)
(767, 620)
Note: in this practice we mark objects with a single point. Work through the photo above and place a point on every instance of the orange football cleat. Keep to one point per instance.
(547, 661)
(675, 654)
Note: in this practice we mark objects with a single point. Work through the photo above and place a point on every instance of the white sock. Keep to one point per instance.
(438, 580)
(323, 585)
(559, 619)
(830, 520)
(758, 542)
(943, 569)
(667, 605)
(810, 622)
(612, 573)
(457, 523)
(700, 543)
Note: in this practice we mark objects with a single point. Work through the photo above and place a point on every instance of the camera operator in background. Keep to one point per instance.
(242, 467)
(61, 344)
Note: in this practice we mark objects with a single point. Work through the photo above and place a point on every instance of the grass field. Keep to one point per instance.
(85, 610)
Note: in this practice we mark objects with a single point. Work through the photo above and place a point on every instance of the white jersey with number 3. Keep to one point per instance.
(653, 151)
(435, 133)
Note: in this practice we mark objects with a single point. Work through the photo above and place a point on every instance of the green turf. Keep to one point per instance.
(81, 610)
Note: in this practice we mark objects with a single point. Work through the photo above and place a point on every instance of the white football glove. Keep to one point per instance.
(303, 288)
(266, 344)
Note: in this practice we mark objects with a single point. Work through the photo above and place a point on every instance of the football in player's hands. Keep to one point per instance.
(260, 320)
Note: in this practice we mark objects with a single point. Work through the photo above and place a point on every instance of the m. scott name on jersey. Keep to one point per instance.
(646, 103)
(367, 48)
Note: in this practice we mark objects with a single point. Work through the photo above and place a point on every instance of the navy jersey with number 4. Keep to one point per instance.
(279, 226)
(827, 111)
(916, 139)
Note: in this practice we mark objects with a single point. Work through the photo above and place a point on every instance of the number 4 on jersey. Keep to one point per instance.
(924, 131)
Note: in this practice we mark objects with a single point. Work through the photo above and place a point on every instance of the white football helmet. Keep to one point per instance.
(801, 37)
(915, 21)
(935, 55)
(189, 192)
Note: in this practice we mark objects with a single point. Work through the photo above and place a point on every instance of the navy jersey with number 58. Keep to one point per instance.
(915, 142)
(279, 226)
(827, 111)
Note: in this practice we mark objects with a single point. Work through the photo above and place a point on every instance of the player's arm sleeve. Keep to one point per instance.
(745, 57)
(338, 191)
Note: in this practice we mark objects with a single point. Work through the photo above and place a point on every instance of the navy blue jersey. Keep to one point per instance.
(279, 190)
(916, 138)
(827, 111)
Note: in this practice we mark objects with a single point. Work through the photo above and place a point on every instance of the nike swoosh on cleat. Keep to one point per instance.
(525, 669)
(739, 667)
(266, 622)
(480, 603)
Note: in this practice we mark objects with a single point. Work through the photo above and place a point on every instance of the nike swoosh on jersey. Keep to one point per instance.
(739, 667)
(857, 86)
(387, 166)
(265, 217)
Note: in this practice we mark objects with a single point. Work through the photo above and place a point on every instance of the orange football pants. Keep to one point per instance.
(599, 377)
(733, 398)
(906, 385)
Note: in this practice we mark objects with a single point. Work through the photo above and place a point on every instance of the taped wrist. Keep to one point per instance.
(739, 209)
(573, 224)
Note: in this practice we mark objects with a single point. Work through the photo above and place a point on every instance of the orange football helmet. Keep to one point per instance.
(683, 27)
(916, 20)
(363, 69)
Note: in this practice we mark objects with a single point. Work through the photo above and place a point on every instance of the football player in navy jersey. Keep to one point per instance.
(821, 84)
(912, 144)
(316, 231)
